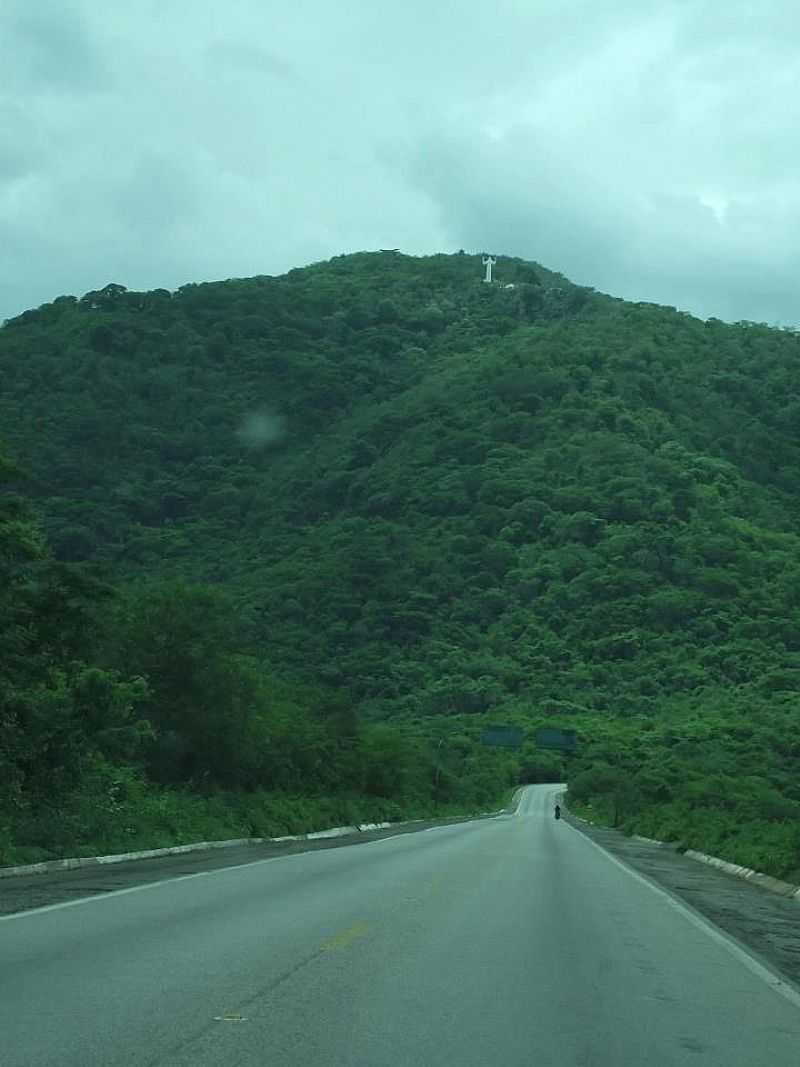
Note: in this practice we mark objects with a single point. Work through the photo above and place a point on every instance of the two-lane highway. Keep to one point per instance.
(512, 941)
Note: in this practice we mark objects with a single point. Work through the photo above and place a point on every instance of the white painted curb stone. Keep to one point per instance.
(766, 881)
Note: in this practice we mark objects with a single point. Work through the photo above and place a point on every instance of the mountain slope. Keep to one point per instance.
(455, 503)
(444, 494)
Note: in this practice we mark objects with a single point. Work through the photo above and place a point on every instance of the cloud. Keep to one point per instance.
(243, 58)
(156, 195)
(49, 48)
(21, 151)
(645, 148)
(655, 168)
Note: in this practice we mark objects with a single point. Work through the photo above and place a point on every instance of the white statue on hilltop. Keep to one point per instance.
(488, 262)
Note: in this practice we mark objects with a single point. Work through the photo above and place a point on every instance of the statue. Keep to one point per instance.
(488, 262)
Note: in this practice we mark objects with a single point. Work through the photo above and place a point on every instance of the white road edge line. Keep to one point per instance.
(217, 870)
(451, 826)
(773, 980)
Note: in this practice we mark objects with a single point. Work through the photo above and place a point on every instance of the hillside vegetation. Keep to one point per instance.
(389, 489)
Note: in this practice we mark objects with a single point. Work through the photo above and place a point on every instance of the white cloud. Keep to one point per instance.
(648, 149)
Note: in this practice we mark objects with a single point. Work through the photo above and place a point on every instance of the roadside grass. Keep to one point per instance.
(120, 812)
(769, 846)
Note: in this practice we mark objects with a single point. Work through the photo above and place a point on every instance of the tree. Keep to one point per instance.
(56, 712)
(183, 640)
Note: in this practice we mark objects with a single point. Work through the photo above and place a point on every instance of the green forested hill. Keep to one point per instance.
(452, 500)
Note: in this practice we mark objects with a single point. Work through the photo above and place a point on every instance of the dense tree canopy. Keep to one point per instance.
(448, 500)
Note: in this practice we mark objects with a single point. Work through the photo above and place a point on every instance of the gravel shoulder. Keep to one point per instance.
(766, 923)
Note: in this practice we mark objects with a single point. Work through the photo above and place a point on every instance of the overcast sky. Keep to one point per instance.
(649, 149)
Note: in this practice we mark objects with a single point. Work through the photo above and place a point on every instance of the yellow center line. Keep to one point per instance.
(346, 937)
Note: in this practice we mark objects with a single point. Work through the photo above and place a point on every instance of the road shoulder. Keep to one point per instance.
(766, 923)
(25, 892)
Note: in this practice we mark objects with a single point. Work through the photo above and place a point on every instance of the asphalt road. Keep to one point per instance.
(512, 941)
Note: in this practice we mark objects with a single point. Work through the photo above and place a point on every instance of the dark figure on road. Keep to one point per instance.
(558, 811)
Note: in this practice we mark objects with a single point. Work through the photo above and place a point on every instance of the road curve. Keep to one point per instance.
(505, 942)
